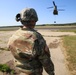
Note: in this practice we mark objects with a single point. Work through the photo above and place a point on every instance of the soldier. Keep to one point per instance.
(29, 47)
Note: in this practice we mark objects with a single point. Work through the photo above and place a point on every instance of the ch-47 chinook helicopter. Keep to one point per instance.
(55, 11)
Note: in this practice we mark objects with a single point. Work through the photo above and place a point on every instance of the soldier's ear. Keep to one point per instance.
(18, 17)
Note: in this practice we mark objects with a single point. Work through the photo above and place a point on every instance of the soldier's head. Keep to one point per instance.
(28, 17)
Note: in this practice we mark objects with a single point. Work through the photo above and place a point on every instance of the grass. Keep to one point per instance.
(68, 30)
(6, 68)
(69, 43)
(1, 48)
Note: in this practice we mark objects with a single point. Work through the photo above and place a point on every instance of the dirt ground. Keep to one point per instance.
(53, 40)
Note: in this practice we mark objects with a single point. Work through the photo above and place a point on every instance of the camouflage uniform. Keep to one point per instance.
(31, 52)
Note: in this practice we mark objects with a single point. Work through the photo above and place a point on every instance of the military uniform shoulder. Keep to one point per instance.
(39, 35)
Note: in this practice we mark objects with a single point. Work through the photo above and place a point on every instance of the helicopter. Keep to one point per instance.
(55, 11)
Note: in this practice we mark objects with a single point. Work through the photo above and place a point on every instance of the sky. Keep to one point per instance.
(9, 9)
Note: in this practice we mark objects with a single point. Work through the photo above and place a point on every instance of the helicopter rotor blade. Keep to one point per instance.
(61, 10)
(50, 7)
(53, 3)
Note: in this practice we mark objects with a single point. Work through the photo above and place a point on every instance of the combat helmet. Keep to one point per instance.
(27, 14)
